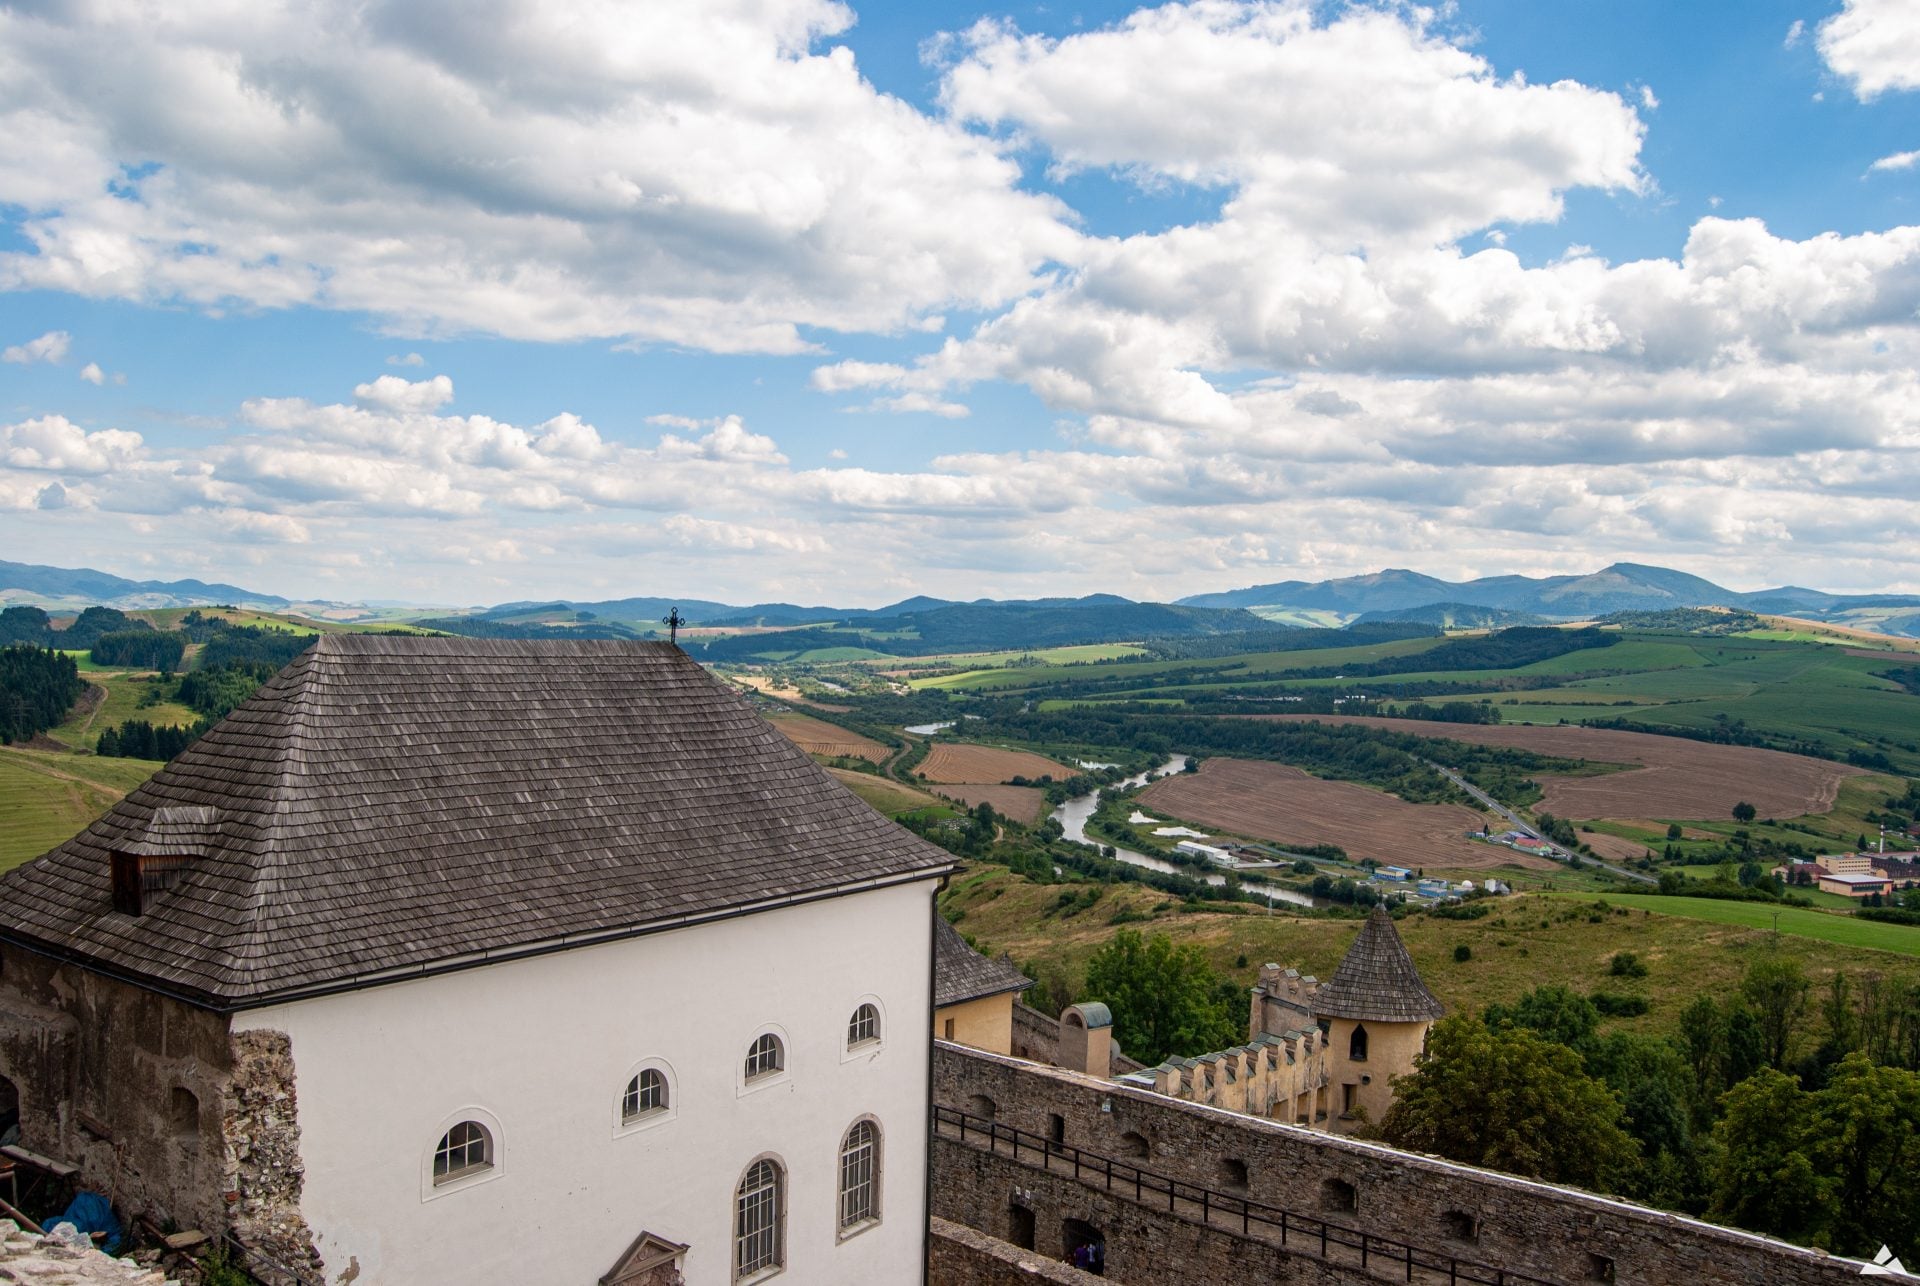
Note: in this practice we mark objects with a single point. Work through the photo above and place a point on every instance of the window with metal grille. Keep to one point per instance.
(766, 1057)
(465, 1149)
(757, 1210)
(646, 1092)
(864, 1026)
(859, 1175)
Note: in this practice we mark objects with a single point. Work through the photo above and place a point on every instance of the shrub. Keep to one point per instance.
(1462, 953)
(1626, 964)
(1617, 1005)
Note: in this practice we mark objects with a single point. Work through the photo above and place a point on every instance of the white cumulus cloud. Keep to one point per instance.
(708, 173)
(1874, 45)
(50, 347)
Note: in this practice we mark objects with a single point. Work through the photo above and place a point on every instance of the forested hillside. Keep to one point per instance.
(37, 687)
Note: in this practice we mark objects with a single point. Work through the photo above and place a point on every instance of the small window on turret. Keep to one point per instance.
(1357, 1047)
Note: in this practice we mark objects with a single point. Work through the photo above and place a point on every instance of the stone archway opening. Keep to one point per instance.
(1086, 1246)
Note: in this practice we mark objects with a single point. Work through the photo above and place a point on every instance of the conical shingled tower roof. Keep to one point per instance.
(1377, 981)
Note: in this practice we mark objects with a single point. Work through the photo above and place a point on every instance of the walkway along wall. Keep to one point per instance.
(1535, 1230)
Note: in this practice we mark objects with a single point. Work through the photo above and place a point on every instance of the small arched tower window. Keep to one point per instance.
(759, 1206)
(464, 1150)
(646, 1093)
(864, 1027)
(859, 1175)
(765, 1057)
(1357, 1047)
(183, 1113)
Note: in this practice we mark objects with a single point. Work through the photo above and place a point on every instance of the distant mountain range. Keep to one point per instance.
(1392, 596)
(1623, 587)
(85, 587)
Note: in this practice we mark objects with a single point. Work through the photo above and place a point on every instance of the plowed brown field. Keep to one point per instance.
(957, 762)
(1287, 806)
(1676, 778)
(1022, 803)
(818, 737)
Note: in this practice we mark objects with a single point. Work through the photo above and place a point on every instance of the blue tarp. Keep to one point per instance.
(90, 1213)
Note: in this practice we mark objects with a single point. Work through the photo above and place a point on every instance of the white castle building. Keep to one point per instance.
(434, 940)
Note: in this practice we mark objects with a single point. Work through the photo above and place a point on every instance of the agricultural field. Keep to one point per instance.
(1286, 806)
(1675, 778)
(962, 763)
(1525, 941)
(1248, 667)
(46, 798)
(818, 737)
(885, 795)
(1082, 653)
(1024, 804)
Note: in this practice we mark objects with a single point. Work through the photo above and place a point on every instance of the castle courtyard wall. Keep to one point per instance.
(1539, 1230)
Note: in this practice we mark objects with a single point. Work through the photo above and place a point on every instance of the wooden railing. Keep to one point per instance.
(1286, 1228)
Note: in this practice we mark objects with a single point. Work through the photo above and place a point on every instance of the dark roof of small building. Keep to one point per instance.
(387, 806)
(1377, 982)
(961, 974)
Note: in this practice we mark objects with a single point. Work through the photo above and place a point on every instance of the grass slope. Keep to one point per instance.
(1526, 941)
(48, 798)
(1801, 922)
(123, 689)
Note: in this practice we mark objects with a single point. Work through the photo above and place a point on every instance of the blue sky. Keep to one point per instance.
(783, 299)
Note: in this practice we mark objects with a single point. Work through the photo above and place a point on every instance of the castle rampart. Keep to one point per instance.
(1524, 1228)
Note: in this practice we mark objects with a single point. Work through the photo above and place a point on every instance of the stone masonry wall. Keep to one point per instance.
(120, 1081)
(1145, 1245)
(1548, 1232)
(263, 1172)
(959, 1256)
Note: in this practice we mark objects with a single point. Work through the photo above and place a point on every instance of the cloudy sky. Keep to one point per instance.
(787, 299)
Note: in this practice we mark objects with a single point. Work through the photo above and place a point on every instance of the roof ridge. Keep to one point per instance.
(263, 869)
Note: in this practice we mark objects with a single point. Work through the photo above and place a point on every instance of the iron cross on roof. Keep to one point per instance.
(673, 621)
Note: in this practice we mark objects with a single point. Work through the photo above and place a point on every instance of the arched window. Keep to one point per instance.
(646, 1093)
(464, 1150)
(759, 1207)
(864, 1027)
(859, 1175)
(765, 1057)
(1357, 1047)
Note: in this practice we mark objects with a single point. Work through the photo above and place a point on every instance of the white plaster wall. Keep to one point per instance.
(544, 1047)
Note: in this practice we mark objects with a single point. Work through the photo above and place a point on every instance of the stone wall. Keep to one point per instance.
(263, 1174)
(959, 1256)
(119, 1081)
(1543, 1231)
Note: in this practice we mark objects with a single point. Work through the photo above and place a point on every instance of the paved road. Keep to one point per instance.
(1489, 802)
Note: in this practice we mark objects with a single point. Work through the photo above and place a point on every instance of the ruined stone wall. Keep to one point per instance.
(959, 1256)
(1552, 1233)
(263, 1174)
(123, 1083)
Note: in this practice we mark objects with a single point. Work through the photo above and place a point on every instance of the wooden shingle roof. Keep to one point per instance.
(387, 806)
(1376, 981)
(961, 974)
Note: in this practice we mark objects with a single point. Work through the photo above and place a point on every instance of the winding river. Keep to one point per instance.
(1073, 816)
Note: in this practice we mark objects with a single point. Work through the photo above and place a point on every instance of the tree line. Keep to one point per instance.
(37, 688)
(1769, 1109)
